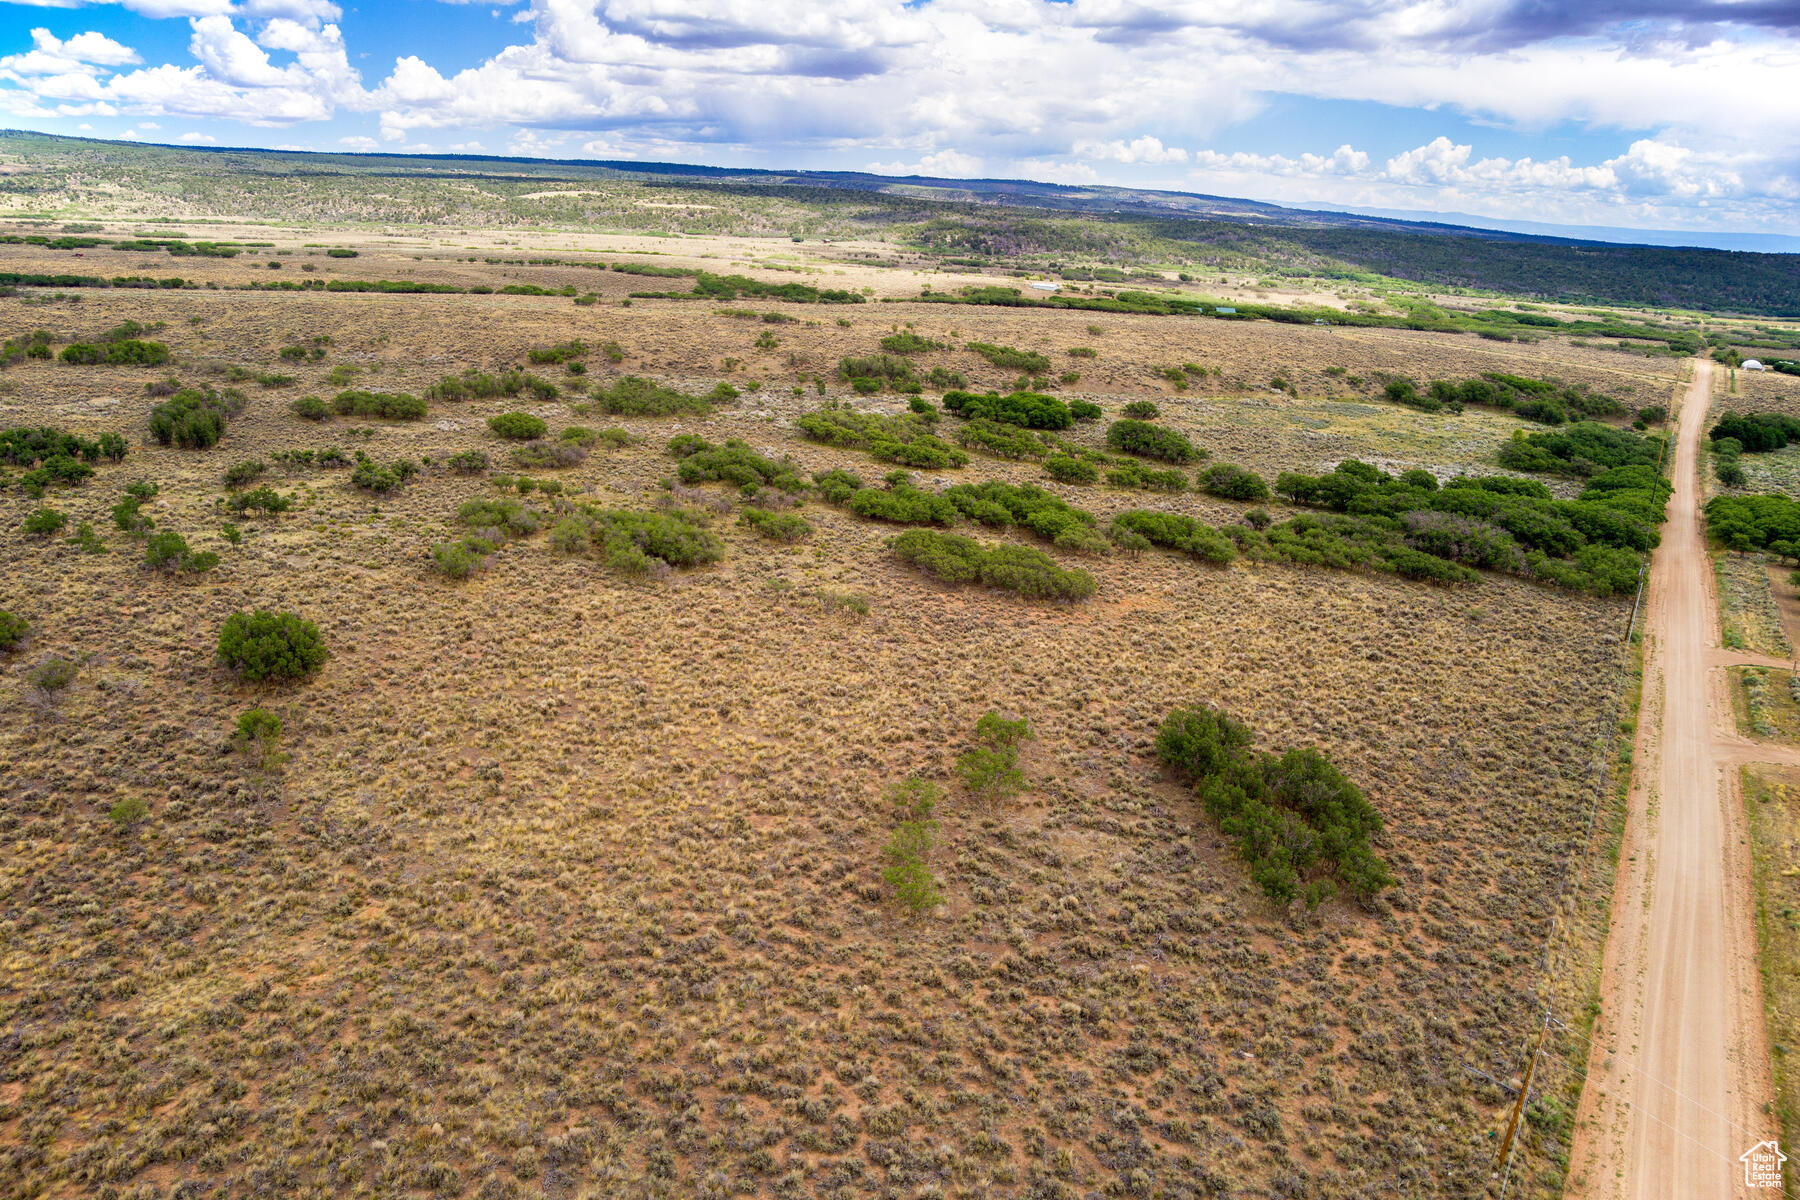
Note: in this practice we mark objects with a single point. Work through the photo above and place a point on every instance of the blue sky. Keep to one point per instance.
(1679, 114)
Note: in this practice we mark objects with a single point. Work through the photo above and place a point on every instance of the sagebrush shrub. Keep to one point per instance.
(13, 629)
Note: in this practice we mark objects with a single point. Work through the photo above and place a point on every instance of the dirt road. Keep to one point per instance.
(1679, 1071)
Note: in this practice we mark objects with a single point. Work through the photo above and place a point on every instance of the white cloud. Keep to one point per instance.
(49, 55)
(1144, 149)
(198, 139)
(948, 164)
(361, 144)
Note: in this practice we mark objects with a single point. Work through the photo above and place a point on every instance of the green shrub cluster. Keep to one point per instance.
(1001, 441)
(240, 473)
(13, 629)
(1138, 530)
(263, 498)
(26, 446)
(1746, 523)
(86, 540)
(1300, 823)
(517, 426)
(380, 478)
(499, 519)
(638, 543)
(168, 551)
(479, 385)
(548, 456)
(909, 848)
(869, 373)
(1135, 475)
(16, 350)
(903, 504)
(194, 418)
(562, 352)
(55, 457)
(1233, 482)
(906, 438)
(776, 526)
(1030, 573)
(43, 522)
(990, 768)
(468, 462)
(1531, 399)
(1499, 523)
(1049, 517)
(635, 396)
(1065, 468)
(310, 408)
(1756, 432)
(1142, 410)
(126, 352)
(1007, 358)
(127, 513)
(734, 462)
(910, 343)
(1584, 448)
(394, 406)
(263, 645)
(462, 557)
(1085, 410)
(1030, 410)
(1150, 441)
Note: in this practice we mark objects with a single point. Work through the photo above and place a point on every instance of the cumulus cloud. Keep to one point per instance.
(1144, 149)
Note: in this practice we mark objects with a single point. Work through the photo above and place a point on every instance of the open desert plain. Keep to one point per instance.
(468, 729)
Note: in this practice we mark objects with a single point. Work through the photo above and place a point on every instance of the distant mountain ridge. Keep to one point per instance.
(1012, 223)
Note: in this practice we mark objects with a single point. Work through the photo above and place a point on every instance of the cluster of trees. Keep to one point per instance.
(1151, 441)
(708, 286)
(908, 342)
(1029, 410)
(907, 439)
(1029, 573)
(1001, 439)
(126, 352)
(194, 418)
(1747, 523)
(394, 406)
(1008, 358)
(735, 462)
(264, 645)
(55, 456)
(479, 385)
(1755, 433)
(1301, 824)
(1594, 542)
(1531, 399)
(1049, 517)
(517, 426)
(637, 543)
(1583, 449)
(635, 396)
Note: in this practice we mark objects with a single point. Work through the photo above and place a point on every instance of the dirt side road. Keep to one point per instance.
(1678, 1075)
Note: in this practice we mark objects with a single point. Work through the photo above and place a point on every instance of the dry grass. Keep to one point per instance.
(572, 883)
(1772, 805)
